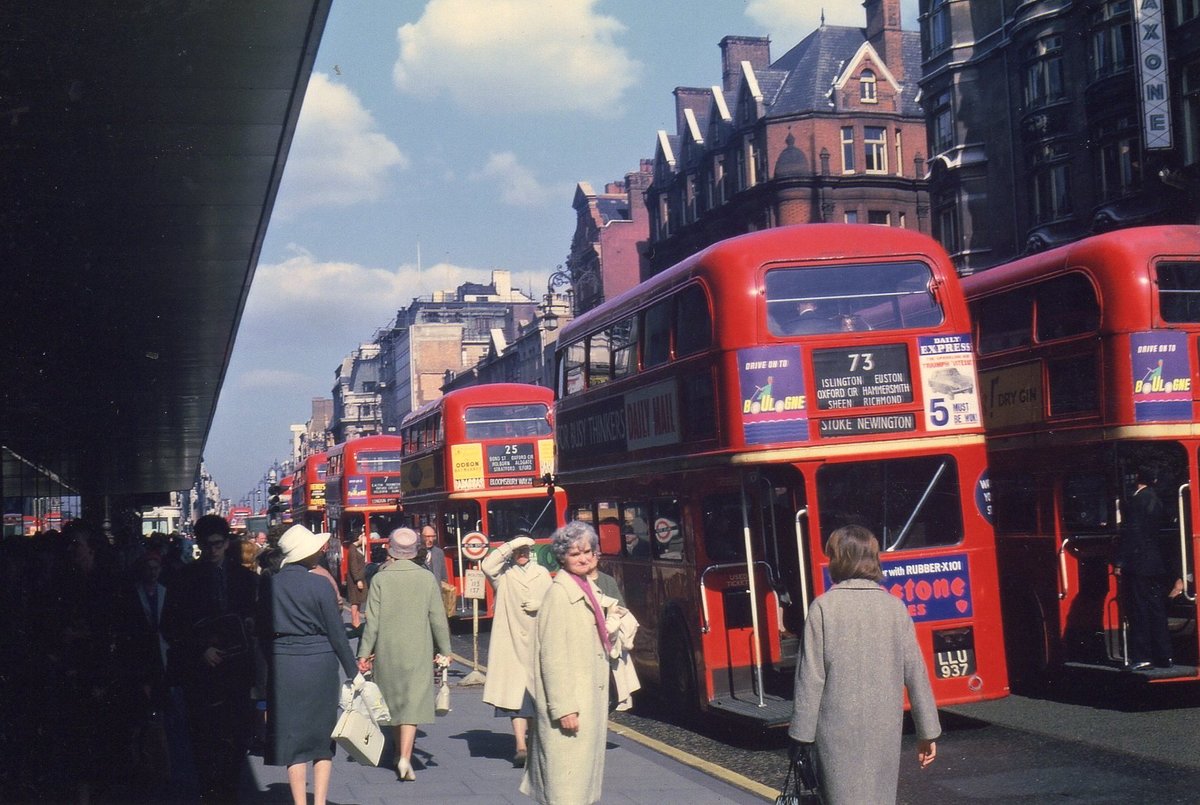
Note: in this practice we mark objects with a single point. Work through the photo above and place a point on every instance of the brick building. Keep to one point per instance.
(609, 242)
(1037, 131)
(831, 131)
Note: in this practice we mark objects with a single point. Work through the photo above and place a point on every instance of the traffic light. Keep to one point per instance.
(275, 503)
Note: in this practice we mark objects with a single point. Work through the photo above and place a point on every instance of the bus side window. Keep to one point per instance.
(668, 534)
(636, 530)
(609, 528)
(723, 538)
(693, 322)
(599, 368)
(656, 338)
(1005, 321)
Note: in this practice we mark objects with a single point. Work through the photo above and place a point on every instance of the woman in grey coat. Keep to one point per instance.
(308, 643)
(405, 622)
(860, 653)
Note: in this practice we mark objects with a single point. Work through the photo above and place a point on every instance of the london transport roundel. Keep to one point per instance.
(475, 545)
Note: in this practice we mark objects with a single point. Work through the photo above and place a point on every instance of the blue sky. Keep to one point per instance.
(456, 130)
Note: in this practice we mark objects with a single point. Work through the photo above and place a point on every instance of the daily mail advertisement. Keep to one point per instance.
(947, 367)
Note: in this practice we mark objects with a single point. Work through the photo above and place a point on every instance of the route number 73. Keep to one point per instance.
(862, 361)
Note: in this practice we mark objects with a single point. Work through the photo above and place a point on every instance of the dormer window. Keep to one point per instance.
(866, 87)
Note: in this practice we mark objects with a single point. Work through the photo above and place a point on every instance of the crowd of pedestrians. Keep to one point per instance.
(135, 664)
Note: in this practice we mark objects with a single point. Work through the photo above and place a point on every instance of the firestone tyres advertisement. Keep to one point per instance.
(1162, 380)
(932, 588)
(773, 400)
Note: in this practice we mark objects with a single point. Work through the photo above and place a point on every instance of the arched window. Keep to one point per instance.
(866, 87)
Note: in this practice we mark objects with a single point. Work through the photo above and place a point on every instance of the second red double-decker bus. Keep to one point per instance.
(308, 492)
(719, 421)
(475, 459)
(362, 493)
(1088, 370)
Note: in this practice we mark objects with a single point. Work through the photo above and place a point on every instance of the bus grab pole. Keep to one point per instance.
(461, 583)
(758, 680)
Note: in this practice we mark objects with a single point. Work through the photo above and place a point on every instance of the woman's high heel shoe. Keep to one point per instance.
(404, 770)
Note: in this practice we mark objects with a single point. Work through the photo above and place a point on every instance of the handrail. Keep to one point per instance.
(1183, 552)
(724, 566)
(1062, 568)
(754, 628)
(803, 566)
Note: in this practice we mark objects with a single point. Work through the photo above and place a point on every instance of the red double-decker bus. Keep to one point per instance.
(362, 493)
(308, 492)
(475, 460)
(1088, 371)
(717, 422)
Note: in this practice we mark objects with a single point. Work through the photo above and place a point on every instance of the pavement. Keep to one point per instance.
(465, 757)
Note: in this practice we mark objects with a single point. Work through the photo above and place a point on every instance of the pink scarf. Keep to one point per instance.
(601, 629)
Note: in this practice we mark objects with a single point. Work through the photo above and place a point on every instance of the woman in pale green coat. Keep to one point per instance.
(570, 674)
(405, 623)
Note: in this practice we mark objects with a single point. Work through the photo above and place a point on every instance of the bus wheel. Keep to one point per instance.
(677, 675)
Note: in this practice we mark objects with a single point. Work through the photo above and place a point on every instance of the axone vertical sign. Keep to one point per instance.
(1152, 73)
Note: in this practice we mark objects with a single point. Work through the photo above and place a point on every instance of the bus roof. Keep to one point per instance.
(1117, 262)
(487, 394)
(805, 244)
(376, 442)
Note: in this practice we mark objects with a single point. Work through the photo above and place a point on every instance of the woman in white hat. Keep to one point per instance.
(405, 621)
(308, 642)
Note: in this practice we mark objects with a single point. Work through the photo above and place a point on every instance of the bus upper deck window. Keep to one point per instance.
(852, 297)
(693, 322)
(1179, 291)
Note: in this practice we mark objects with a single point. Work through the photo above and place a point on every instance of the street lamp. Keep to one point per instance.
(558, 279)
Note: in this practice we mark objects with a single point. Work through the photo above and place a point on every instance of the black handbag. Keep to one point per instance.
(800, 787)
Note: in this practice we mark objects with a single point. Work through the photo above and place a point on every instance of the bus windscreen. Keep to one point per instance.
(846, 298)
(507, 421)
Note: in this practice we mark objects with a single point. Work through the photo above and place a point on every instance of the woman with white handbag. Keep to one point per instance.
(308, 643)
(406, 622)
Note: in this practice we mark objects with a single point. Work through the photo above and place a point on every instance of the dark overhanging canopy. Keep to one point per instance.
(141, 148)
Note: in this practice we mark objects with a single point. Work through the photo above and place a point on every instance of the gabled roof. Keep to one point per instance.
(821, 59)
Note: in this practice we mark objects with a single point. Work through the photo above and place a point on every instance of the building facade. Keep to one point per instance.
(832, 131)
(356, 399)
(609, 244)
(447, 332)
(1049, 120)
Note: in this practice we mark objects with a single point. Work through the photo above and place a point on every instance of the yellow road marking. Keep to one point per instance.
(686, 758)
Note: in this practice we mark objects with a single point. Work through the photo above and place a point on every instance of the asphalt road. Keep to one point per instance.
(1087, 741)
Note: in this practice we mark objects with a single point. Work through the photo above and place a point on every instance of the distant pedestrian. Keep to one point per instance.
(1145, 581)
(520, 586)
(435, 557)
(356, 578)
(405, 625)
(308, 643)
(859, 655)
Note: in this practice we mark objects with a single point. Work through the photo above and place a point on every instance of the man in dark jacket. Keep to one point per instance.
(207, 620)
(1144, 576)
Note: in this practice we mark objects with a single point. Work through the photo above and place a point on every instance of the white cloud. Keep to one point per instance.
(338, 157)
(789, 21)
(516, 55)
(309, 304)
(516, 184)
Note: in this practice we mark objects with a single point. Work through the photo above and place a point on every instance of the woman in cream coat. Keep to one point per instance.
(520, 586)
(570, 674)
